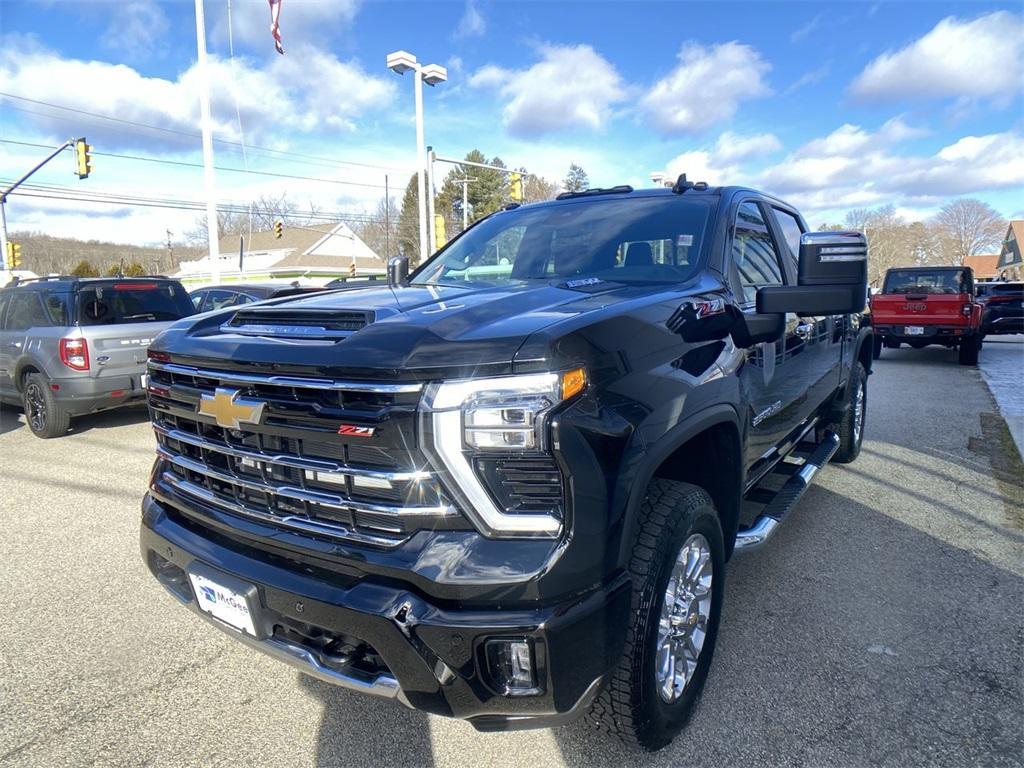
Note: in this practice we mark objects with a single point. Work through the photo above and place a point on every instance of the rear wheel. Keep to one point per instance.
(678, 570)
(44, 415)
(968, 351)
(850, 428)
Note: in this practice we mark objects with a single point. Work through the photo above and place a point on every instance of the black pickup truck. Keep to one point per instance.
(505, 488)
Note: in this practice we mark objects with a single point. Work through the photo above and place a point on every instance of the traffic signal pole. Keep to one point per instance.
(4, 193)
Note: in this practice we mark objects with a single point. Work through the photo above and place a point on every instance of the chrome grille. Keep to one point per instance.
(293, 469)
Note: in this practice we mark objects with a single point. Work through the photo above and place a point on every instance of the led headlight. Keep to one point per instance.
(500, 415)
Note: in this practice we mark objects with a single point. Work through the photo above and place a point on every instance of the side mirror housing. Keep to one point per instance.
(832, 277)
(398, 270)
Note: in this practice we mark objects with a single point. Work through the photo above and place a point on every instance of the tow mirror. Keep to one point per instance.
(832, 277)
(398, 270)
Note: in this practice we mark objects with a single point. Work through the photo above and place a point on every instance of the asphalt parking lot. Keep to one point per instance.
(883, 625)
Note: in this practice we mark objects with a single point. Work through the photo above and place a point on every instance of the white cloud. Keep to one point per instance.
(137, 31)
(805, 29)
(722, 162)
(277, 97)
(571, 87)
(706, 87)
(810, 77)
(472, 23)
(980, 58)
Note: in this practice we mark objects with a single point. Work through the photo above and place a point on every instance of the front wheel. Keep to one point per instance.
(678, 572)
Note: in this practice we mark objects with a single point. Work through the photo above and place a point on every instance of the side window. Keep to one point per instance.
(197, 299)
(218, 299)
(25, 312)
(5, 299)
(753, 252)
(56, 308)
(791, 231)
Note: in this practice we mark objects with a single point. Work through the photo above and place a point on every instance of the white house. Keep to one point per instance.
(313, 254)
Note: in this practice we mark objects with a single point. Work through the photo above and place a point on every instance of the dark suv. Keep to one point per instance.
(505, 488)
(71, 346)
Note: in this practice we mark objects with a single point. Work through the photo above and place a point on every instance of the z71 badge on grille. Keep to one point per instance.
(230, 410)
(351, 430)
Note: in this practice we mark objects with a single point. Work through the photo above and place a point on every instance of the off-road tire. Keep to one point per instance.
(37, 399)
(967, 352)
(630, 706)
(851, 438)
(876, 347)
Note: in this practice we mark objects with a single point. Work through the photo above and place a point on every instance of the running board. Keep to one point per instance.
(775, 511)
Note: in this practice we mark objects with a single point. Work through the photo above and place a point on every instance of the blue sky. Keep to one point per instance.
(829, 105)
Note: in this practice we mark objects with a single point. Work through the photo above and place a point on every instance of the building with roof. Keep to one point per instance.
(312, 254)
(1011, 266)
(984, 265)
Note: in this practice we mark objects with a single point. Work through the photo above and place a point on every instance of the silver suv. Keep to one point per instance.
(71, 346)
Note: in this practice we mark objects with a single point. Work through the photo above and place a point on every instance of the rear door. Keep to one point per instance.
(119, 320)
(6, 361)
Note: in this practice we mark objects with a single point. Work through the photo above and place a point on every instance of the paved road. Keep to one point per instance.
(883, 625)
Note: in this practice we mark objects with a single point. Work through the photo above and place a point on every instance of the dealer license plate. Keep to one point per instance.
(228, 605)
(915, 330)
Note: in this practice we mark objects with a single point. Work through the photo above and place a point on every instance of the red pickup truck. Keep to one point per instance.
(928, 305)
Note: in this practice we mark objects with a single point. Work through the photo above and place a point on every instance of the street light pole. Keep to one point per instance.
(401, 62)
(421, 158)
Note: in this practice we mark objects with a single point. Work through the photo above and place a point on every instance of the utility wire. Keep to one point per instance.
(188, 134)
(186, 164)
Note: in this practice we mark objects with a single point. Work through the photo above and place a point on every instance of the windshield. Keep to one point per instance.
(134, 302)
(945, 281)
(638, 240)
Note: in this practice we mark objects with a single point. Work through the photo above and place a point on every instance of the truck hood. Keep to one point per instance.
(415, 331)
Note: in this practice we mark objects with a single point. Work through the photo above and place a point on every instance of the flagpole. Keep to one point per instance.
(209, 183)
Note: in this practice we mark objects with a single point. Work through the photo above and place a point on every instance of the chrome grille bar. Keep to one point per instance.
(301, 524)
(296, 382)
(287, 459)
(300, 494)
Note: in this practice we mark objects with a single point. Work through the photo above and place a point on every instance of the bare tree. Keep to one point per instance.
(380, 231)
(262, 213)
(970, 227)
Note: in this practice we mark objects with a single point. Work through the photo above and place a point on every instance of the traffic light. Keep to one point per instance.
(352, 269)
(83, 158)
(13, 255)
(515, 187)
(440, 235)
(278, 229)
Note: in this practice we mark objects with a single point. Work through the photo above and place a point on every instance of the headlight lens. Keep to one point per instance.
(500, 415)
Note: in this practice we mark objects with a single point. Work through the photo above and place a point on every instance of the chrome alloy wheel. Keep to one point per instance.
(35, 407)
(858, 413)
(685, 614)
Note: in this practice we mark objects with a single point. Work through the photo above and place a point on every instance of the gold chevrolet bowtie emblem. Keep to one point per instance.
(230, 410)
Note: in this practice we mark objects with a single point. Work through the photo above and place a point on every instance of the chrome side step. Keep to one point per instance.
(775, 511)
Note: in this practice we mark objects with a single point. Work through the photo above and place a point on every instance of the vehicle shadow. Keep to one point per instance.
(360, 730)
(848, 641)
(12, 419)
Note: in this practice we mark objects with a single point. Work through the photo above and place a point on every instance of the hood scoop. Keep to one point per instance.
(294, 323)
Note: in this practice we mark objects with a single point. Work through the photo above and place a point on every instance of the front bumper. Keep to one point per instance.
(429, 656)
(80, 395)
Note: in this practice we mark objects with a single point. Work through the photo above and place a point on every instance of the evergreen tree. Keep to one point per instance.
(409, 223)
(84, 269)
(576, 180)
